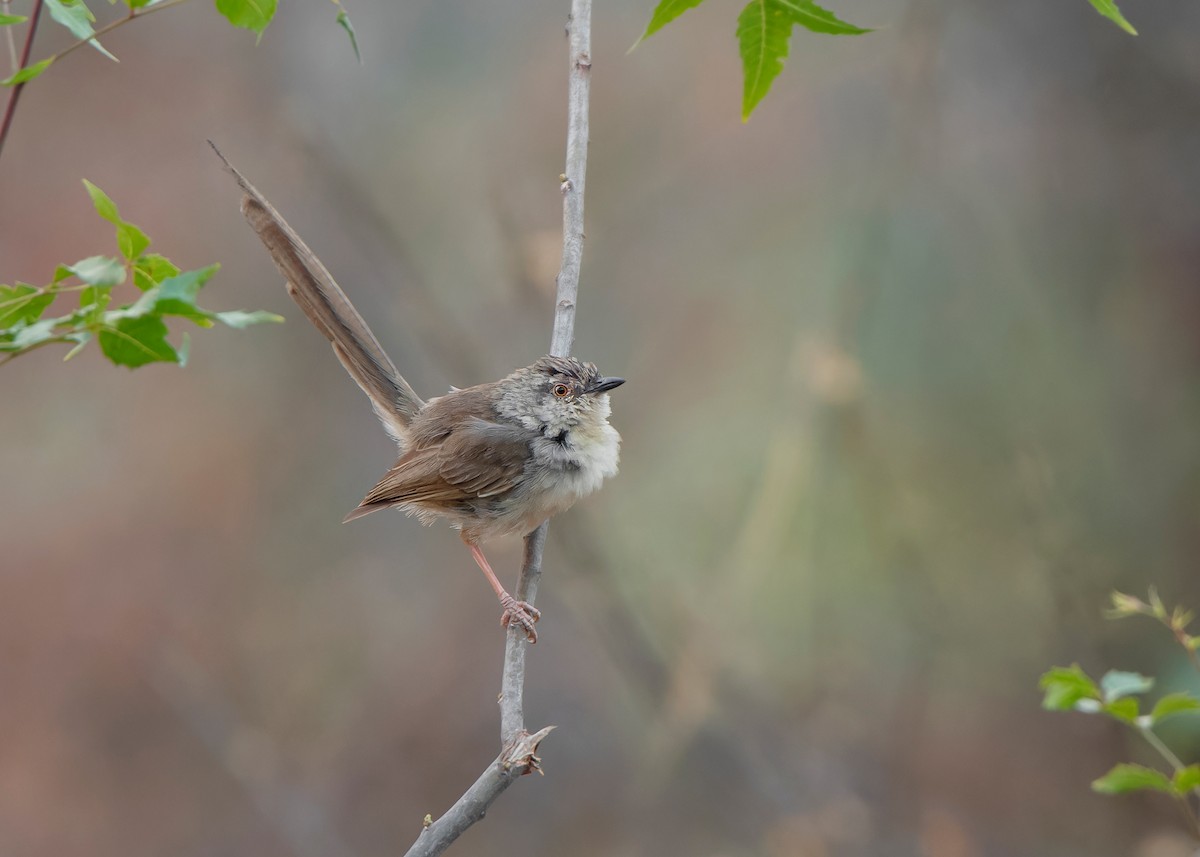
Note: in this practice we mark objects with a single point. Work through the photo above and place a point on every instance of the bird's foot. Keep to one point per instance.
(520, 613)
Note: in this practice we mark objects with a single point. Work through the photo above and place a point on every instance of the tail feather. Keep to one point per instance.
(327, 307)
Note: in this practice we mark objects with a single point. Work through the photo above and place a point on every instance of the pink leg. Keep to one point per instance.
(520, 612)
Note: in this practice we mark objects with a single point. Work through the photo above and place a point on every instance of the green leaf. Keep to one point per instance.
(22, 303)
(1109, 10)
(1065, 686)
(184, 287)
(666, 12)
(137, 341)
(1116, 684)
(1187, 779)
(6, 20)
(811, 16)
(1125, 710)
(104, 205)
(150, 269)
(763, 30)
(130, 240)
(98, 271)
(1129, 778)
(77, 18)
(28, 73)
(240, 318)
(344, 20)
(93, 301)
(248, 14)
(28, 337)
(1172, 704)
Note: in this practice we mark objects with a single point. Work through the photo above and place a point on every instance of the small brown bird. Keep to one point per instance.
(494, 459)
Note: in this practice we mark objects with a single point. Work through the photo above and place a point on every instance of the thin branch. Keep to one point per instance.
(518, 755)
(10, 108)
(134, 14)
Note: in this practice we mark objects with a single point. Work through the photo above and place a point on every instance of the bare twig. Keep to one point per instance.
(519, 747)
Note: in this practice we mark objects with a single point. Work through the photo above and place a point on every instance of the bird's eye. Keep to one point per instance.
(560, 390)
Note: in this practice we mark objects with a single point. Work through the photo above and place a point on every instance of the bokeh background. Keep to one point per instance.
(913, 366)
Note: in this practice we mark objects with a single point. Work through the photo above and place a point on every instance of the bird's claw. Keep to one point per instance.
(522, 613)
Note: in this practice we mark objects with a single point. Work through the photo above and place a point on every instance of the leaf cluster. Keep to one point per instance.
(78, 19)
(764, 29)
(132, 334)
(1116, 694)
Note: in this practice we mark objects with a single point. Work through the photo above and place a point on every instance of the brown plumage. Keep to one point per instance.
(494, 459)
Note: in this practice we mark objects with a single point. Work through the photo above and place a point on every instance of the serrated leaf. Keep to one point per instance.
(811, 16)
(131, 240)
(1130, 778)
(1125, 710)
(1066, 686)
(150, 269)
(763, 30)
(135, 342)
(28, 337)
(28, 73)
(6, 20)
(248, 14)
(1116, 684)
(1109, 10)
(1186, 780)
(185, 286)
(103, 204)
(344, 21)
(77, 18)
(666, 12)
(1172, 704)
(97, 271)
(240, 318)
(22, 303)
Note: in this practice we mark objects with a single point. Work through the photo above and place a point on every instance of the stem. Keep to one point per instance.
(6, 8)
(10, 109)
(134, 14)
(519, 747)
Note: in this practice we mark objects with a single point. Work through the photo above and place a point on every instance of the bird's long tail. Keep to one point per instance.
(330, 311)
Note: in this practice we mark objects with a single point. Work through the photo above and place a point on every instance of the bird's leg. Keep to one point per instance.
(522, 613)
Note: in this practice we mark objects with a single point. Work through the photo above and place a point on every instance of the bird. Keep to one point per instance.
(490, 460)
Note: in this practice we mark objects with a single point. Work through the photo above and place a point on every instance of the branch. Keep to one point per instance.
(134, 14)
(518, 755)
(10, 108)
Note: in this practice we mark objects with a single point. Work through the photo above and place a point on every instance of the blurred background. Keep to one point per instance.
(913, 384)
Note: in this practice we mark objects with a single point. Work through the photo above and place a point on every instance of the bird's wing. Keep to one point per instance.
(327, 307)
(477, 460)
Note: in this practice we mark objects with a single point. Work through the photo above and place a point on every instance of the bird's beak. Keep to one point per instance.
(605, 384)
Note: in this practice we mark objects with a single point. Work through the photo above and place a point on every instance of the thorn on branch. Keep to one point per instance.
(584, 62)
(521, 751)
